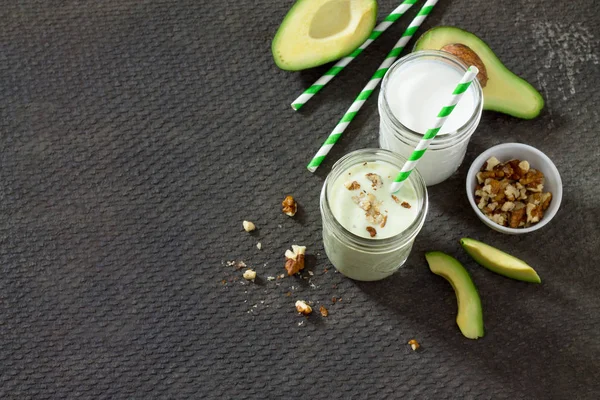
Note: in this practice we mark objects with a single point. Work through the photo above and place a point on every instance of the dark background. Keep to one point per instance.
(137, 135)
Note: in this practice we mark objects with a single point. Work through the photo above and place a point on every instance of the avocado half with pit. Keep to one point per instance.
(315, 32)
(503, 91)
(470, 315)
(499, 262)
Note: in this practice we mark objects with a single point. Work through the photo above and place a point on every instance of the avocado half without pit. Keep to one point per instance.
(470, 315)
(503, 91)
(315, 32)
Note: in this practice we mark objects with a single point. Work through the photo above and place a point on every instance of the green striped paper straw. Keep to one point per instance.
(335, 135)
(339, 66)
(441, 118)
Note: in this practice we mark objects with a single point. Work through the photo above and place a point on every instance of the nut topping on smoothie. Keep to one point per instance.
(405, 204)
(375, 179)
(352, 185)
(371, 231)
(294, 259)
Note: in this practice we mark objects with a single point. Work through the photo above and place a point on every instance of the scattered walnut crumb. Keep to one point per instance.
(270, 278)
(396, 199)
(371, 231)
(405, 204)
(333, 300)
(352, 185)
(414, 344)
(323, 311)
(511, 193)
(248, 226)
(294, 259)
(239, 265)
(249, 275)
(289, 206)
(303, 308)
(376, 181)
(259, 245)
(288, 294)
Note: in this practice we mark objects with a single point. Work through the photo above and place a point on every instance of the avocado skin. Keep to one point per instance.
(477, 249)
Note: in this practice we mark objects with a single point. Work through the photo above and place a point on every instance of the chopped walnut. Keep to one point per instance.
(492, 206)
(289, 206)
(303, 308)
(500, 219)
(511, 193)
(491, 163)
(294, 259)
(405, 204)
(524, 166)
(248, 226)
(396, 199)
(323, 311)
(414, 344)
(352, 185)
(382, 225)
(546, 199)
(371, 231)
(376, 181)
(372, 207)
(516, 216)
(249, 275)
(508, 206)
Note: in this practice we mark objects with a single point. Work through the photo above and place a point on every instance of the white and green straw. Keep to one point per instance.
(335, 135)
(441, 118)
(339, 66)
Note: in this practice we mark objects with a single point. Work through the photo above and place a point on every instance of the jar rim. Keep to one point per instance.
(440, 141)
(371, 155)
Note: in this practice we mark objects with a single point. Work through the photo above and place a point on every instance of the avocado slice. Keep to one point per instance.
(315, 32)
(499, 262)
(470, 316)
(503, 91)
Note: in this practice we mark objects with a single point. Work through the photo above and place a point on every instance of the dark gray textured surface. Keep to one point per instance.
(137, 135)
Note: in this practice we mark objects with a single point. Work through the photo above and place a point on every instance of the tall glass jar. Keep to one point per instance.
(369, 259)
(447, 151)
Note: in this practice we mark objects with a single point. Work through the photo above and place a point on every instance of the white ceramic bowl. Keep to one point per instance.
(537, 160)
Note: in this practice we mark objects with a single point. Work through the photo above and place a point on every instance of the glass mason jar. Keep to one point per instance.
(447, 151)
(367, 259)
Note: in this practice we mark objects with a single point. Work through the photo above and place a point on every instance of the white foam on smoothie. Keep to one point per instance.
(419, 89)
(352, 217)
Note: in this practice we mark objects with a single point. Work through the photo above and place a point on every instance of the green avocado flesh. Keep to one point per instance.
(315, 32)
(470, 316)
(499, 262)
(504, 92)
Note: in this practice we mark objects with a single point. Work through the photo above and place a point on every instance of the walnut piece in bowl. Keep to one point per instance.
(514, 188)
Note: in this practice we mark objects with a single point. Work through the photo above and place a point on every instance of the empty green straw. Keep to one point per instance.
(441, 118)
(339, 66)
(335, 135)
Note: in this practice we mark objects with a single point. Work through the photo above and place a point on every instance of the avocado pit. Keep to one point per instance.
(469, 57)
